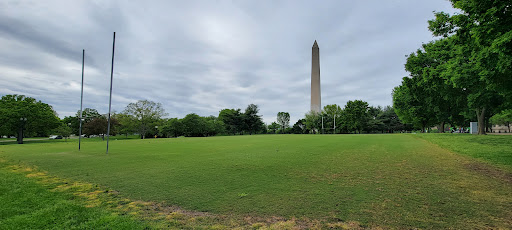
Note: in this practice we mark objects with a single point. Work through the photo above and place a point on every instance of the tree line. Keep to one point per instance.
(356, 117)
(146, 118)
(464, 75)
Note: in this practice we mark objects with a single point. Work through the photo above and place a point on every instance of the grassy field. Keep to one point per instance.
(396, 181)
(494, 149)
(26, 204)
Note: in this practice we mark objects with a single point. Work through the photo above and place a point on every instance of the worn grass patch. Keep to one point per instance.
(26, 204)
(494, 149)
(95, 207)
(388, 181)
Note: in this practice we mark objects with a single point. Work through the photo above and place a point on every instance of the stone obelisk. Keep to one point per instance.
(315, 80)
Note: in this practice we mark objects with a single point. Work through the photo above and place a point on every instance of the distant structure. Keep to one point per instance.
(316, 99)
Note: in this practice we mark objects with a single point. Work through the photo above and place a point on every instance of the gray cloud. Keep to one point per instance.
(204, 56)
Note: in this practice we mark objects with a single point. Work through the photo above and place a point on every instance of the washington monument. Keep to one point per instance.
(316, 104)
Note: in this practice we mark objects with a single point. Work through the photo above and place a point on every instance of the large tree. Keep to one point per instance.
(391, 121)
(87, 115)
(126, 124)
(283, 119)
(253, 121)
(299, 127)
(332, 115)
(194, 125)
(233, 120)
(313, 121)
(146, 114)
(412, 103)
(375, 123)
(428, 69)
(356, 115)
(482, 53)
(173, 127)
(99, 126)
(214, 126)
(272, 128)
(25, 116)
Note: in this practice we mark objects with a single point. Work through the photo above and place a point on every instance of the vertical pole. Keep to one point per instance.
(322, 124)
(81, 102)
(334, 132)
(111, 80)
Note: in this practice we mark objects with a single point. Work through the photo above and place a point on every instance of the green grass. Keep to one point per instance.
(396, 181)
(25, 204)
(495, 149)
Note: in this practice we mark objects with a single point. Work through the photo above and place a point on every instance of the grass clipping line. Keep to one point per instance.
(162, 216)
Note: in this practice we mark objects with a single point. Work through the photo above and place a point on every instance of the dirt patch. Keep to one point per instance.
(489, 171)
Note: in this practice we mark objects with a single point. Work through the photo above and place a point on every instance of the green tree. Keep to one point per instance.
(214, 126)
(391, 121)
(253, 121)
(99, 126)
(299, 127)
(233, 120)
(20, 114)
(194, 125)
(126, 124)
(332, 117)
(75, 123)
(173, 127)
(313, 121)
(283, 119)
(272, 128)
(64, 130)
(428, 68)
(375, 123)
(503, 118)
(356, 115)
(482, 53)
(146, 113)
(412, 103)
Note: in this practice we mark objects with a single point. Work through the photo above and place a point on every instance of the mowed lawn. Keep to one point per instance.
(397, 181)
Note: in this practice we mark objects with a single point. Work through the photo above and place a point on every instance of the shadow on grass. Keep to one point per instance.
(39, 140)
(15, 142)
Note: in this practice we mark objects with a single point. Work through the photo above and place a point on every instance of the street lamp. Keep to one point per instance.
(23, 120)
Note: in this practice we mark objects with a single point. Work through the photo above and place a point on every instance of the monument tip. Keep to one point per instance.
(315, 44)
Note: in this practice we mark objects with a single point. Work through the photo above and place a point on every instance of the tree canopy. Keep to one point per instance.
(39, 118)
(146, 114)
(467, 69)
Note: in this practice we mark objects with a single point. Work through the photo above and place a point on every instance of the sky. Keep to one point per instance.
(204, 56)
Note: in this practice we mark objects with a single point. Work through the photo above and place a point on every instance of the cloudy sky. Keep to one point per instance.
(204, 56)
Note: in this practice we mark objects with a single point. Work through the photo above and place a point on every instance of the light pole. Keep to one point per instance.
(156, 134)
(23, 120)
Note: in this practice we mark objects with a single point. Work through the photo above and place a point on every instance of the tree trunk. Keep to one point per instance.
(480, 115)
(20, 135)
(442, 127)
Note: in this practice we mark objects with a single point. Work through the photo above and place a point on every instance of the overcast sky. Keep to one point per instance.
(204, 56)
